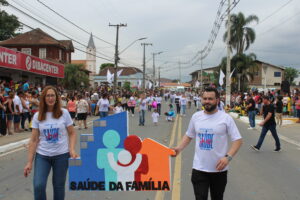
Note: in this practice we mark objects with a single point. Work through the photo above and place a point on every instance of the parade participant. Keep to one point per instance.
(268, 124)
(251, 111)
(18, 108)
(71, 106)
(297, 103)
(2, 114)
(155, 116)
(10, 111)
(177, 102)
(51, 144)
(82, 108)
(118, 108)
(211, 129)
(279, 108)
(183, 103)
(142, 109)
(103, 106)
(158, 100)
(131, 105)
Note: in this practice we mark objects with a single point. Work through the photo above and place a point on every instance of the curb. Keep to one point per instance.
(12, 146)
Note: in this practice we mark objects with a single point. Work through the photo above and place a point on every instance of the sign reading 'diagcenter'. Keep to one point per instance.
(112, 160)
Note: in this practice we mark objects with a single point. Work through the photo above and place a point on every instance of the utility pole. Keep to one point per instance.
(228, 88)
(117, 54)
(159, 77)
(154, 54)
(144, 63)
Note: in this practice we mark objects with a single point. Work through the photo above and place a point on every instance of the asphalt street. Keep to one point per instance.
(263, 175)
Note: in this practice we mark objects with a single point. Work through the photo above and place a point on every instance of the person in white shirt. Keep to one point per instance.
(18, 108)
(52, 143)
(103, 106)
(158, 100)
(118, 108)
(82, 108)
(155, 117)
(211, 128)
(142, 109)
(183, 101)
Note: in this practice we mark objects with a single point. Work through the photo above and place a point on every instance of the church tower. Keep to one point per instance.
(91, 56)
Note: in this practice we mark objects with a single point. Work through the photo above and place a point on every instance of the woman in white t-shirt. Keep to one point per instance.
(52, 143)
(103, 106)
(142, 109)
(183, 101)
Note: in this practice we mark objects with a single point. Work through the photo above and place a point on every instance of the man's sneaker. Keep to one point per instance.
(250, 128)
(254, 148)
(277, 150)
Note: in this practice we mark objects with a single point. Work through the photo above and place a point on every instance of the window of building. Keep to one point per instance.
(26, 50)
(277, 84)
(14, 49)
(42, 53)
(60, 54)
(119, 84)
(277, 74)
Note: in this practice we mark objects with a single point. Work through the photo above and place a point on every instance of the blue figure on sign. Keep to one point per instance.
(111, 139)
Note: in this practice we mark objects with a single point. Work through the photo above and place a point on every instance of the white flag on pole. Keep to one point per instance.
(150, 85)
(232, 72)
(197, 84)
(119, 72)
(222, 76)
(108, 76)
(139, 83)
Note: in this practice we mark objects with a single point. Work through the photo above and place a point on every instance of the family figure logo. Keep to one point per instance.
(112, 160)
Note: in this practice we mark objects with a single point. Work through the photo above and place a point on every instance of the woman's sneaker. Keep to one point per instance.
(277, 150)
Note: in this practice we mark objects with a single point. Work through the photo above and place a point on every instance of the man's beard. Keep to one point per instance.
(210, 107)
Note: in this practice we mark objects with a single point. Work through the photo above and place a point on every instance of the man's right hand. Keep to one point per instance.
(177, 151)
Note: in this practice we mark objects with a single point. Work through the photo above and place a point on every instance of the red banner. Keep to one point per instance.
(17, 60)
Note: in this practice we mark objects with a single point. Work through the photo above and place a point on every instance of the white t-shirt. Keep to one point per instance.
(17, 101)
(103, 105)
(118, 109)
(183, 101)
(158, 99)
(155, 117)
(211, 132)
(143, 104)
(53, 133)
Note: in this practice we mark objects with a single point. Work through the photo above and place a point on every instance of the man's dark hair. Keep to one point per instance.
(211, 89)
(20, 92)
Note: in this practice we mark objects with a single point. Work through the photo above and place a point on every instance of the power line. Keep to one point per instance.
(39, 21)
(72, 22)
(74, 47)
(273, 13)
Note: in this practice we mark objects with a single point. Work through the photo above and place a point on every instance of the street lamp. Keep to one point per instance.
(132, 44)
(154, 54)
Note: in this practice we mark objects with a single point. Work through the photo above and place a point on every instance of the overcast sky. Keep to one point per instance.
(179, 28)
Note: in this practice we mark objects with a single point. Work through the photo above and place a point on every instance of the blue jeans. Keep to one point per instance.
(42, 167)
(183, 108)
(142, 117)
(251, 115)
(264, 131)
(103, 114)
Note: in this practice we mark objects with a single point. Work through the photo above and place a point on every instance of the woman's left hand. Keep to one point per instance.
(73, 154)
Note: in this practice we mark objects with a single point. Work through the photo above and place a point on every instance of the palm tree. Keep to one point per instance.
(241, 34)
(75, 77)
(243, 66)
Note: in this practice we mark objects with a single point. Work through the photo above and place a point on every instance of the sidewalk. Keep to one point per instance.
(17, 140)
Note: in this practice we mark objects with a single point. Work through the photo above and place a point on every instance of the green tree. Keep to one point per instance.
(9, 24)
(290, 74)
(244, 66)
(75, 75)
(104, 65)
(241, 34)
(126, 86)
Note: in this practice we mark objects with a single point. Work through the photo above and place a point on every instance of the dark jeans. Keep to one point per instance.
(24, 116)
(204, 181)
(159, 108)
(142, 117)
(177, 108)
(131, 109)
(103, 114)
(263, 134)
(42, 167)
(251, 115)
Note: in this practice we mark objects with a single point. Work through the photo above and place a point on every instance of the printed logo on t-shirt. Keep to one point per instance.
(105, 105)
(51, 134)
(206, 139)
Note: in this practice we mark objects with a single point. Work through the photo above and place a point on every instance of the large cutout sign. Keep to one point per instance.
(112, 160)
